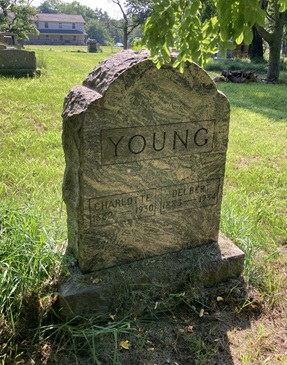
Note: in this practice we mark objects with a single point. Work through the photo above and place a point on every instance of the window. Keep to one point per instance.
(73, 25)
(60, 25)
(37, 24)
(61, 37)
(47, 36)
(74, 38)
(46, 25)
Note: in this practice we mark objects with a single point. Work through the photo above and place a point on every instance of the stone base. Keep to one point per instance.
(98, 292)
(19, 72)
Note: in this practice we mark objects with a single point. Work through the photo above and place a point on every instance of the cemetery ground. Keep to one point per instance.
(239, 322)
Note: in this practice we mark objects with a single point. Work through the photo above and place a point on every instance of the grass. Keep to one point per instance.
(33, 228)
(237, 64)
(31, 153)
(254, 204)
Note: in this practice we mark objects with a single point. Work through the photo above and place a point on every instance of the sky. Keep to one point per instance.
(106, 5)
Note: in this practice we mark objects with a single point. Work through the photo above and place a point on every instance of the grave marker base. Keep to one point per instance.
(100, 292)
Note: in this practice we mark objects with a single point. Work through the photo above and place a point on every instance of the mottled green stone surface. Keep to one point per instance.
(145, 156)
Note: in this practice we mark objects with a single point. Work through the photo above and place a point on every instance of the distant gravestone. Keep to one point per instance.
(145, 154)
(17, 62)
(92, 45)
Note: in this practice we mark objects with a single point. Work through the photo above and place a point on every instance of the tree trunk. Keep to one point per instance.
(275, 47)
(274, 59)
(255, 50)
(274, 40)
(125, 37)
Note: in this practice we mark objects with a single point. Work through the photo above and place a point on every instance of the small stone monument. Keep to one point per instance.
(17, 62)
(145, 153)
(92, 45)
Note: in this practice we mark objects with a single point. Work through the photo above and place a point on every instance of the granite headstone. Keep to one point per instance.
(145, 154)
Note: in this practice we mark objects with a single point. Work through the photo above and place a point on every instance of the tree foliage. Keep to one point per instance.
(139, 10)
(97, 30)
(16, 17)
(49, 7)
(134, 13)
(60, 7)
(179, 24)
(76, 8)
(208, 9)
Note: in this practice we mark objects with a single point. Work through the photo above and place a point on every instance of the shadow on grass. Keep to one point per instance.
(195, 331)
(194, 327)
(265, 99)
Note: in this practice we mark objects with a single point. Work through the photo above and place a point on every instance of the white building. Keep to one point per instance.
(58, 29)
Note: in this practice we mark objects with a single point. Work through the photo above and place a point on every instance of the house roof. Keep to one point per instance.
(60, 18)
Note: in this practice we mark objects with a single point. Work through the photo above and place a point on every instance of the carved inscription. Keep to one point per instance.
(123, 145)
(122, 207)
(187, 196)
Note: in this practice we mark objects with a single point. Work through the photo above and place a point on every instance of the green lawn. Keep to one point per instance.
(32, 215)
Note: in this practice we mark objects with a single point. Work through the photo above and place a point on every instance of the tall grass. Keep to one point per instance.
(254, 200)
(32, 221)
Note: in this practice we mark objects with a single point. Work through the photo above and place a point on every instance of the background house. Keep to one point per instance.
(58, 29)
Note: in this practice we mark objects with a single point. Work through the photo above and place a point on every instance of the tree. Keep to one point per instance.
(111, 33)
(284, 47)
(102, 16)
(16, 17)
(97, 30)
(178, 24)
(60, 7)
(139, 10)
(273, 35)
(134, 14)
(255, 49)
(208, 10)
(49, 7)
(77, 8)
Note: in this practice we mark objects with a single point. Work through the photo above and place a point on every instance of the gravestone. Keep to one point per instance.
(145, 153)
(92, 45)
(17, 62)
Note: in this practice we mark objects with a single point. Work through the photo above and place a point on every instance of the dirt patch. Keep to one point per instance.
(265, 342)
(195, 328)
